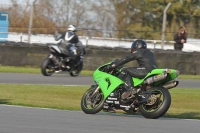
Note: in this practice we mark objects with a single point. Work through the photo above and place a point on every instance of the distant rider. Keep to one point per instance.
(70, 39)
(146, 61)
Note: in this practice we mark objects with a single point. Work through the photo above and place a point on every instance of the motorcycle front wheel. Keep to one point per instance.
(46, 67)
(158, 103)
(92, 103)
(75, 71)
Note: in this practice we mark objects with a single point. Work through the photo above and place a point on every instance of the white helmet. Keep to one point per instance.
(72, 28)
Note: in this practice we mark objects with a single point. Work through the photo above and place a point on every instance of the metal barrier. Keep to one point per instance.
(42, 39)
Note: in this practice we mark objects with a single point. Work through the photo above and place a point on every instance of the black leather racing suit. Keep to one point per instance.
(70, 38)
(146, 61)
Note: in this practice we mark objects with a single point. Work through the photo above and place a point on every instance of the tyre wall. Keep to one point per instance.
(12, 54)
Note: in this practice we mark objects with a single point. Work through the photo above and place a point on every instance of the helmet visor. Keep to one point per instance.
(133, 45)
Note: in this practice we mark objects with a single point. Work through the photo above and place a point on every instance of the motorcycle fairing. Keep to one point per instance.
(138, 81)
(108, 83)
(172, 74)
(55, 47)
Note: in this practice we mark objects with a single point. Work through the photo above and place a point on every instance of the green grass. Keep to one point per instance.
(13, 69)
(57, 97)
(185, 102)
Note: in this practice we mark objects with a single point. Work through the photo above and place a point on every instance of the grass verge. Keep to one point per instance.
(45, 96)
(13, 69)
(185, 102)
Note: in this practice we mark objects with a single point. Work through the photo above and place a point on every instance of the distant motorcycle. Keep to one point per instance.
(66, 62)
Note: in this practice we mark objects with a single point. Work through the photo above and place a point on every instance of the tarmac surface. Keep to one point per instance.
(16, 119)
(65, 79)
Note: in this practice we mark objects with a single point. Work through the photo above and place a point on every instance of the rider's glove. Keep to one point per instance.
(110, 67)
(113, 65)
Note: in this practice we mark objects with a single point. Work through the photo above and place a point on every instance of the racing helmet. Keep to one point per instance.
(72, 28)
(138, 44)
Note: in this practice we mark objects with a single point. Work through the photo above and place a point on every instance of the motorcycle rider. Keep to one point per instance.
(70, 39)
(146, 61)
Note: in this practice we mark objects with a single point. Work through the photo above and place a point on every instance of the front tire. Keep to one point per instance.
(46, 67)
(92, 104)
(158, 105)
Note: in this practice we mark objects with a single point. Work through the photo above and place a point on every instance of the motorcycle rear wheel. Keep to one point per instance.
(160, 101)
(92, 104)
(46, 67)
(76, 70)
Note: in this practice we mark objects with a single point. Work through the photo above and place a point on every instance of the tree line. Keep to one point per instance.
(106, 18)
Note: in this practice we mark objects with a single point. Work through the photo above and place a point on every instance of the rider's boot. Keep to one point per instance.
(130, 90)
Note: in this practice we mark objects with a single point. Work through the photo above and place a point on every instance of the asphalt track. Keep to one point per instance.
(65, 79)
(14, 119)
(34, 120)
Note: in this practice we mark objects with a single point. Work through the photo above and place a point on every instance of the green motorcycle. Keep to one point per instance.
(152, 99)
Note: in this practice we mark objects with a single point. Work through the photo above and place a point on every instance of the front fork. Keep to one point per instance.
(54, 59)
(94, 96)
(96, 90)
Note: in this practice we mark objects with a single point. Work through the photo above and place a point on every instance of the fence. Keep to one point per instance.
(96, 41)
(42, 39)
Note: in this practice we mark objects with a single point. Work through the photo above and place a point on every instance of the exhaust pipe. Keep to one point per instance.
(171, 84)
(155, 78)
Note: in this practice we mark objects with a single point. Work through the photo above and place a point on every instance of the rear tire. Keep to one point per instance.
(76, 70)
(92, 104)
(159, 105)
(45, 67)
